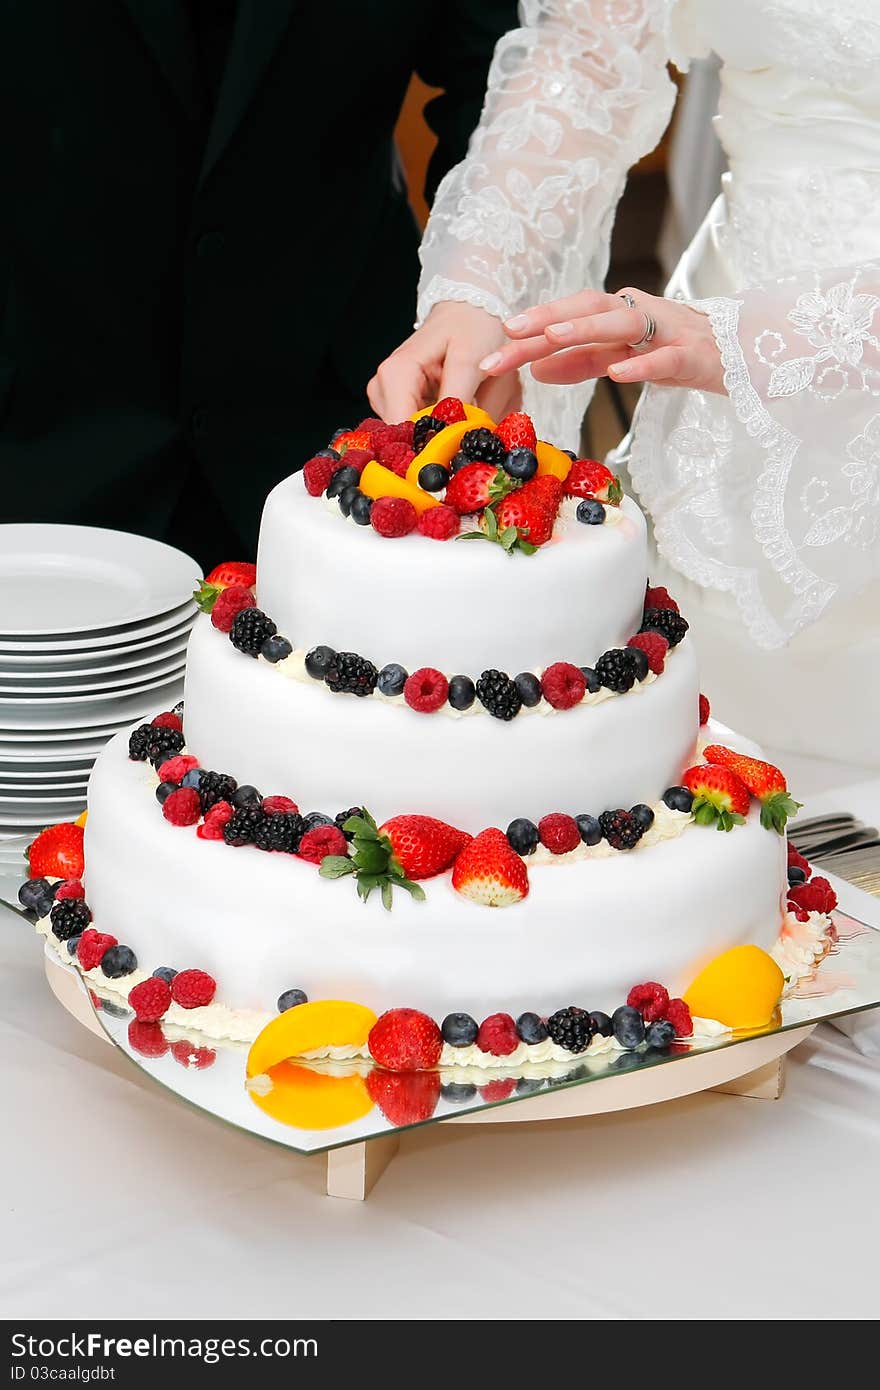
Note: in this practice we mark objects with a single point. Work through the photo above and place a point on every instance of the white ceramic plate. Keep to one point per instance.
(126, 638)
(32, 791)
(114, 682)
(36, 772)
(94, 668)
(45, 749)
(56, 580)
(93, 658)
(23, 825)
(40, 805)
(87, 712)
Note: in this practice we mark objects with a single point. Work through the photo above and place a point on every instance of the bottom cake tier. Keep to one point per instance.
(262, 923)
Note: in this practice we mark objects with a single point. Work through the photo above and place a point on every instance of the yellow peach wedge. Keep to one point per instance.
(81, 819)
(552, 460)
(321, 1023)
(378, 481)
(441, 449)
(304, 1098)
(739, 988)
(476, 417)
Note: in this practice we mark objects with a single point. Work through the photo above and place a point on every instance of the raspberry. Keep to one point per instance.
(659, 598)
(426, 690)
(147, 1039)
(189, 1055)
(220, 814)
(229, 604)
(450, 410)
(705, 710)
(93, 945)
(655, 647)
(273, 804)
(192, 989)
(182, 807)
(175, 769)
(498, 1090)
(396, 455)
(70, 888)
(370, 424)
(797, 861)
(317, 473)
(357, 459)
(168, 720)
(679, 1015)
(563, 685)
(815, 896)
(651, 1000)
(316, 844)
(380, 435)
(149, 999)
(559, 833)
(393, 517)
(405, 432)
(799, 913)
(440, 523)
(498, 1035)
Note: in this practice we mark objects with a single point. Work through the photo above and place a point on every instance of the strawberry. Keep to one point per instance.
(423, 846)
(763, 780)
(660, 598)
(547, 490)
(527, 512)
(473, 487)
(233, 572)
(405, 1098)
(516, 431)
(589, 478)
(450, 410)
(352, 439)
(489, 872)
(405, 1040)
(57, 852)
(720, 797)
(705, 709)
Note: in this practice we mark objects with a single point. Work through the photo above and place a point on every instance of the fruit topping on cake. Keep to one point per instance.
(323, 1023)
(291, 999)
(405, 1040)
(499, 694)
(763, 780)
(377, 482)
(489, 872)
(352, 439)
(621, 829)
(372, 862)
(590, 512)
(617, 670)
(459, 1030)
(563, 685)
(659, 597)
(440, 523)
(450, 410)
(320, 842)
(666, 621)
(558, 833)
(705, 710)
(425, 430)
(739, 988)
(424, 846)
(516, 431)
(655, 647)
(426, 690)
(57, 852)
(571, 1028)
(498, 1035)
(552, 461)
(439, 450)
(590, 479)
(92, 948)
(720, 797)
(150, 999)
(250, 629)
(350, 674)
(815, 896)
(475, 487)
(650, 999)
(397, 456)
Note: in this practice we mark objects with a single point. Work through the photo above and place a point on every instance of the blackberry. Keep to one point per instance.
(351, 674)
(343, 816)
(425, 429)
(147, 743)
(499, 694)
(250, 629)
(571, 1028)
(483, 446)
(282, 830)
(616, 669)
(242, 828)
(70, 918)
(214, 787)
(621, 829)
(665, 621)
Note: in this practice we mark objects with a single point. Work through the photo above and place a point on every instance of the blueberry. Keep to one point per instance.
(391, 680)
(462, 692)
(36, 895)
(460, 460)
(319, 660)
(589, 829)
(164, 790)
(639, 661)
(796, 875)
(523, 835)
(660, 1034)
(315, 819)
(330, 453)
(458, 1092)
(459, 1030)
(678, 798)
(628, 1025)
(529, 687)
(192, 778)
(275, 648)
(118, 961)
(361, 507)
(347, 496)
(342, 478)
(593, 681)
(531, 1028)
(290, 998)
(72, 943)
(570, 453)
(527, 1085)
(521, 463)
(433, 477)
(164, 972)
(642, 815)
(601, 1023)
(246, 796)
(590, 512)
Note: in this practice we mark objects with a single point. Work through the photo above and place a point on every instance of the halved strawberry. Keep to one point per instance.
(516, 431)
(489, 872)
(233, 572)
(476, 486)
(352, 439)
(405, 1040)
(405, 1098)
(590, 478)
(57, 852)
(423, 846)
(720, 797)
(763, 780)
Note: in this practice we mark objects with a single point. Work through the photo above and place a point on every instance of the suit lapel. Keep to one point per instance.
(164, 27)
(259, 26)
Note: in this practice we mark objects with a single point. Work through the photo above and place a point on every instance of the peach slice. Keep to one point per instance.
(321, 1023)
(305, 1098)
(552, 460)
(378, 481)
(476, 417)
(441, 449)
(739, 988)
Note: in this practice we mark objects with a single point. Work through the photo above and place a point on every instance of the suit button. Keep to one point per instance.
(199, 422)
(210, 244)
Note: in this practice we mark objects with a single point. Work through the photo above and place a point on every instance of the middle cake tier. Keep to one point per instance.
(275, 727)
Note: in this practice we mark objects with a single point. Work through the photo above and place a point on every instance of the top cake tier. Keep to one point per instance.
(457, 606)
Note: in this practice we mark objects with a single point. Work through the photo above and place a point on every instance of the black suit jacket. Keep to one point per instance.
(189, 303)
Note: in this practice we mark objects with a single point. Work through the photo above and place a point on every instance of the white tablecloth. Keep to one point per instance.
(119, 1202)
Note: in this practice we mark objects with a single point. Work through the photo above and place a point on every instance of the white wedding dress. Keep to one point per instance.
(768, 499)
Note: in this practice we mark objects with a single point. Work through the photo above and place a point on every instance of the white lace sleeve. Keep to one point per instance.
(774, 493)
(575, 95)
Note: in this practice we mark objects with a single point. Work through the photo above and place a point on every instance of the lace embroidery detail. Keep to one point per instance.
(836, 323)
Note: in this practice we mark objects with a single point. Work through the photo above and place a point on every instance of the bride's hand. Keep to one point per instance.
(441, 359)
(592, 334)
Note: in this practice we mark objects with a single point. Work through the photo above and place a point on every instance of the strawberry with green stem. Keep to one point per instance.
(764, 781)
(371, 861)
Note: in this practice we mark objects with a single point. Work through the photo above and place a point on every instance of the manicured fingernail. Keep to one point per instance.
(489, 362)
(561, 330)
(620, 369)
(516, 323)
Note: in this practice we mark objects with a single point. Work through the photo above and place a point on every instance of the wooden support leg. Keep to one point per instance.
(353, 1172)
(766, 1083)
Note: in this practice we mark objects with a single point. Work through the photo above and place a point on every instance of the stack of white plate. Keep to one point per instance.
(93, 633)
